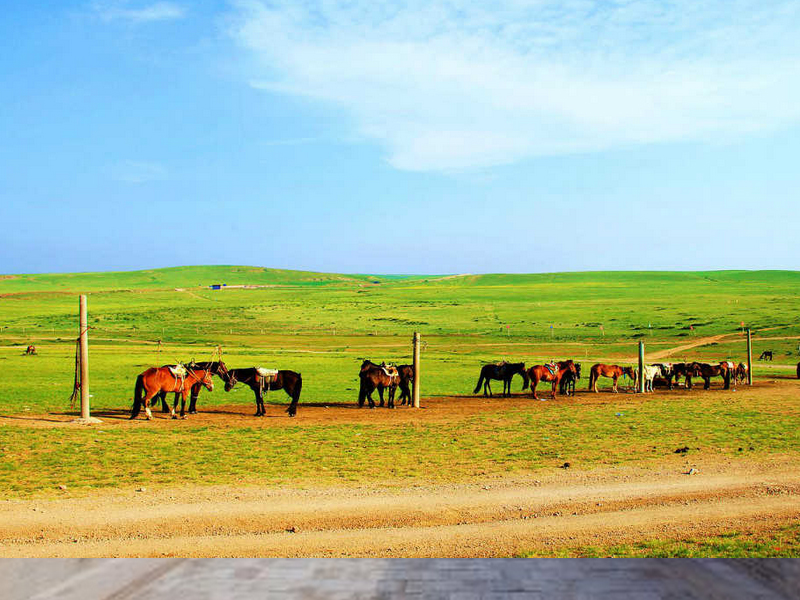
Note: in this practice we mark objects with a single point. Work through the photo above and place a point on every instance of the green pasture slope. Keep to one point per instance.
(324, 324)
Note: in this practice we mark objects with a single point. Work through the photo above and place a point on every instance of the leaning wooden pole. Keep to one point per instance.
(749, 358)
(641, 367)
(415, 393)
(84, 344)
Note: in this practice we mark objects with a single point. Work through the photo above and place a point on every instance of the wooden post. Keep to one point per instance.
(415, 392)
(83, 342)
(749, 358)
(641, 367)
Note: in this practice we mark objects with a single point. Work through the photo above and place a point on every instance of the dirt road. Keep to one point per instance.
(498, 517)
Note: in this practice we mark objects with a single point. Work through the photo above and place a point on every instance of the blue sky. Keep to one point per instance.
(409, 137)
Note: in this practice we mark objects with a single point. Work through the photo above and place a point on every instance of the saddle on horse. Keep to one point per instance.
(268, 375)
(390, 370)
(552, 367)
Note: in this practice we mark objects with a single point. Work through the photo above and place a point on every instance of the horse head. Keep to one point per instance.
(630, 372)
(231, 381)
(577, 370)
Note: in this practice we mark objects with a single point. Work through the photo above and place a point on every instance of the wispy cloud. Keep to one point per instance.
(449, 84)
(132, 171)
(159, 11)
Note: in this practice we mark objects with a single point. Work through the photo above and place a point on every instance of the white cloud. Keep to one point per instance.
(131, 171)
(444, 85)
(159, 11)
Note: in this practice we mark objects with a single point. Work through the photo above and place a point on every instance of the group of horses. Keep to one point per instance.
(563, 374)
(384, 377)
(155, 383)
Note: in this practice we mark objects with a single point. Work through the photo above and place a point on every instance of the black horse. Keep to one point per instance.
(289, 381)
(217, 368)
(566, 386)
(766, 355)
(406, 373)
(503, 371)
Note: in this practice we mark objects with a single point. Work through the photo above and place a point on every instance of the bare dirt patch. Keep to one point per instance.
(496, 517)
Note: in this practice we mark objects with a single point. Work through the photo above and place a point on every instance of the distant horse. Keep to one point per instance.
(217, 368)
(567, 385)
(613, 371)
(289, 381)
(377, 377)
(158, 379)
(539, 373)
(766, 355)
(406, 373)
(503, 371)
(707, 371)
(30, 350)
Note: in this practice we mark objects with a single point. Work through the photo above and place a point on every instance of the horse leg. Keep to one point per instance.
(380, 394)
(147, 397)
(183, 404)
(555, 385)
(258, 402)
(706, 383)
(614, 388)
(534, 383)
(162, 397)
(193, 401)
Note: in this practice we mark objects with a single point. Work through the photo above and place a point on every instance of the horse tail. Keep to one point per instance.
(138, 396)
(298, 386)
(525, 380)
(362, 390)
(480, 383)
(592, 377)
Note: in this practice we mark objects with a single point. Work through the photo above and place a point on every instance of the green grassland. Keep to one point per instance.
(323, 325)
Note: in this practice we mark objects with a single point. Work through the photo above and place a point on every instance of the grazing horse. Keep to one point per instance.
(539, 373)
(567, 385)
(707, 371)
(377, 377)
(503, 371)
(766, 355)
(289, 381)
(217, 368)
(406, 373)
(158, 379)
(30, 350)
(613, 371)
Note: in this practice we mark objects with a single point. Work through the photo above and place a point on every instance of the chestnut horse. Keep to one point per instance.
(504, 371)
(161, 379)
(539, 373)
(613, 371)
(217, 368)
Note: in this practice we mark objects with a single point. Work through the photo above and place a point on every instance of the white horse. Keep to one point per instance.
(650, 373)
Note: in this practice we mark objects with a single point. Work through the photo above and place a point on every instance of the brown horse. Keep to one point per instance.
(613, 371)
(741, 373)
(406, 373)
(539, 373)
(377, 377)
(707, 371)
(161, 379)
